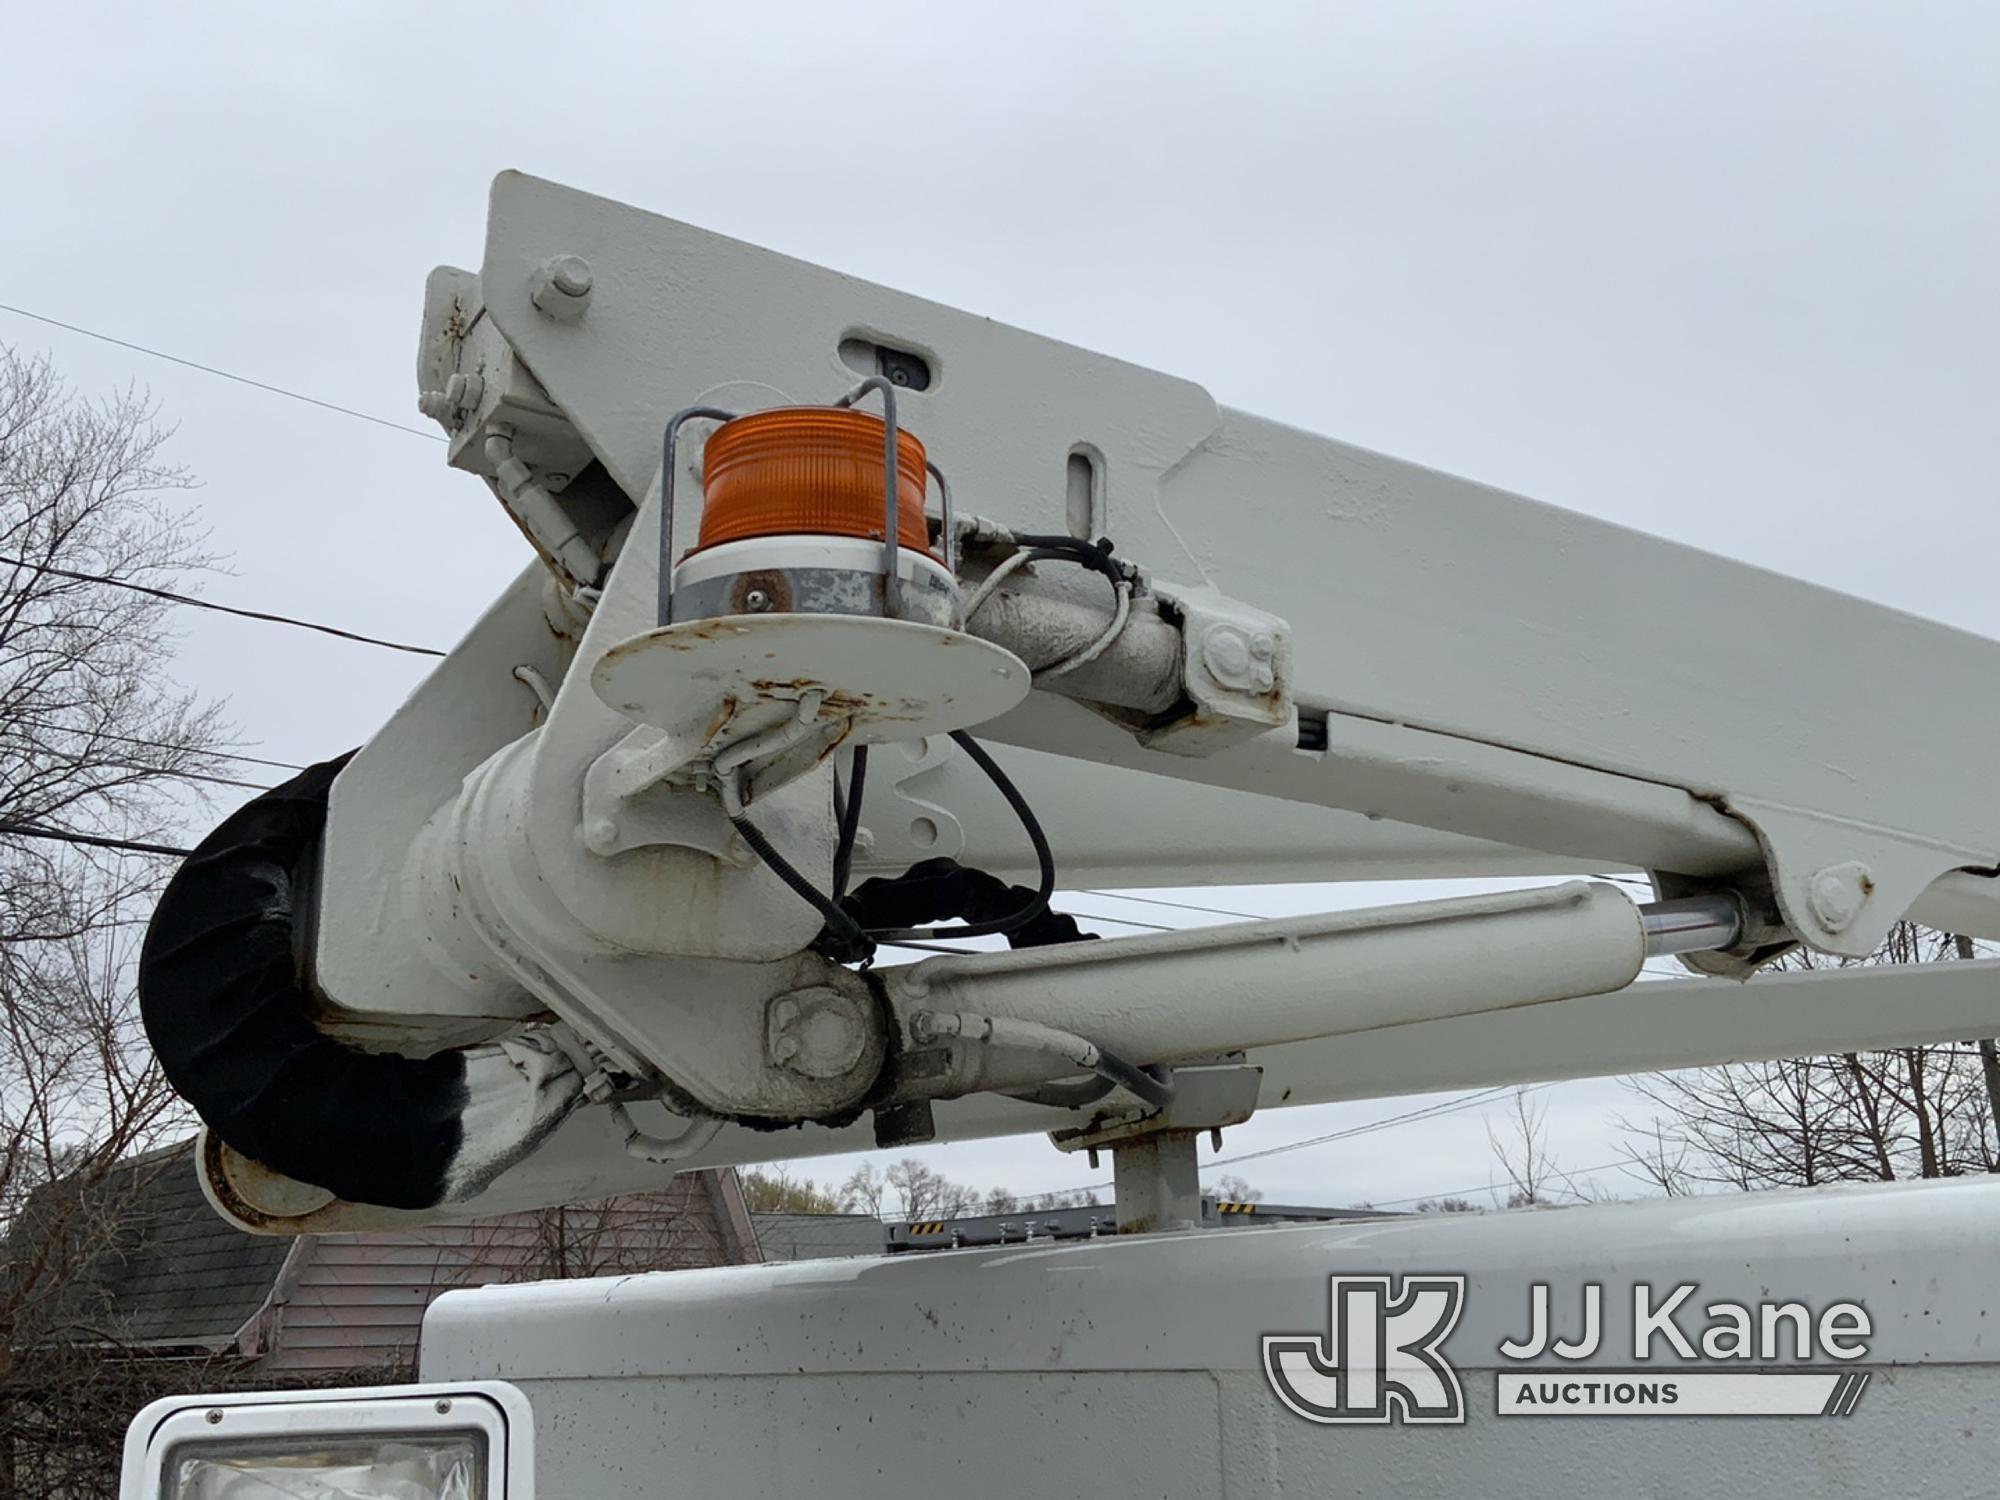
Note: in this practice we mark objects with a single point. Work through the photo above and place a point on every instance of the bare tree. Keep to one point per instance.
(1521, 1148)
(772, 1189)
(99, 749)
(1657, 1156)
(1234, 1189)
(913, 1190)
(1071, 1198)
(928, 1194)
(1856, 1116)
(654, 1231)
(865, 1191)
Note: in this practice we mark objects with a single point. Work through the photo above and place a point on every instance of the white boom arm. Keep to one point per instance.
(1322, 664)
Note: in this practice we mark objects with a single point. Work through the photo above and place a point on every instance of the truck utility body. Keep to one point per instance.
(855, 625)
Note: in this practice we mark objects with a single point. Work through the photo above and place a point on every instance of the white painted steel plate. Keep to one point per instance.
(894, 679)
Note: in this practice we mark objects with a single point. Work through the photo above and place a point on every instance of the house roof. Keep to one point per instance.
(167, 1274)
(816, 1236)
(177, 1275)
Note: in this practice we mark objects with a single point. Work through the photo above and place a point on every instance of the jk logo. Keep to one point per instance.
(1380, 1359)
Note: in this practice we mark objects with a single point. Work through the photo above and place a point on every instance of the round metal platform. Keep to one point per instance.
(892, 679)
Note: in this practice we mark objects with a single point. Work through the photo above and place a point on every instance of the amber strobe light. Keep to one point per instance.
(808, 470)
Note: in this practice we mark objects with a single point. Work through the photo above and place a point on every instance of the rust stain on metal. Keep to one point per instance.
(721, 720)
(840, 702)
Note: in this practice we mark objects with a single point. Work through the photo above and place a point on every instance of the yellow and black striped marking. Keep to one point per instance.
(1236, 1208)
(929, 1226)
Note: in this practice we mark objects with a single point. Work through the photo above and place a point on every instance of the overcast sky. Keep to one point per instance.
(1721, 272)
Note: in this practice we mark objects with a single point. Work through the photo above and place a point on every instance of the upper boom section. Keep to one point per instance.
(1544, 649)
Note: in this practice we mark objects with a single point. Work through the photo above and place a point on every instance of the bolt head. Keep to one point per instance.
(560, 287)
(817, 1033)
(1226, 653)
(600, 835)
(1837, 893)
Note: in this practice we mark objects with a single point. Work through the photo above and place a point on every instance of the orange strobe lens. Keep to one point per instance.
(810, 470)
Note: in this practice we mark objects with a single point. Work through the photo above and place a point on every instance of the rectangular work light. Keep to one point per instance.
(471, 1441)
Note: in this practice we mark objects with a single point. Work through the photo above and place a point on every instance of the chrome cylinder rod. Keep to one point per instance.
(1692, 924)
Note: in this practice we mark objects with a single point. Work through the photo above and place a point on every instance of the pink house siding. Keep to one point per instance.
(356, 1302)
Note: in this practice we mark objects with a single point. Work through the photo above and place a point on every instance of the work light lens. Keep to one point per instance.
(435, 1466)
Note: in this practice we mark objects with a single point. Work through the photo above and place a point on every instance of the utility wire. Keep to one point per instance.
(201, 776)
(1428, 1112)
(127, 739)
(1486, 1187)
(91, 840)
(1214, 911)
(1085, 916)
(227, 609)
(175, 359)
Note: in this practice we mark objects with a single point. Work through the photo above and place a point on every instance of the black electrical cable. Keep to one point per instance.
(849, 811)
(1095, 555)
(943, 890)
(1066, 1095)
(1154, 1086)
(1031, 909)
(853, 941)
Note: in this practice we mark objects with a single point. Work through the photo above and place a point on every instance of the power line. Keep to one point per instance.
(201, 776)
(175, 359)
(1214, 911)
(127, 739)
(1428, 1112)
(227, 609)
(1483, 1187)
(1085, 916)
(68, 836)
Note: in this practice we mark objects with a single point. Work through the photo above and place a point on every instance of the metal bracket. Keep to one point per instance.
(1155, 1171)
(1205, 1098)
(1236, 670)
(1841, 883)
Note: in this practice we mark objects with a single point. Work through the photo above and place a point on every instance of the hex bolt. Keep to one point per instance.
(1837, 893)
(600, 835)
(560, 287)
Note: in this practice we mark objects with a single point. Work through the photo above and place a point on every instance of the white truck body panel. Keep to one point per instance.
(1133, 1367)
